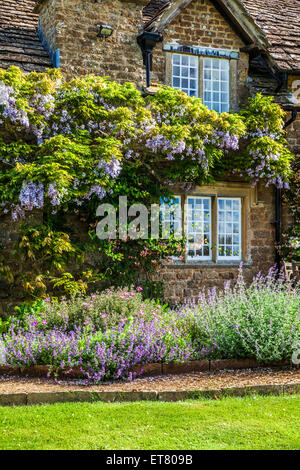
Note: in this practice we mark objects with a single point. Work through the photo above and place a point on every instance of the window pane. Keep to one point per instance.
(229, 228)
(176, 71)
(185, 67)
(170, 210)
(223, 75)
(198, 228)
(184, 71)
(185, 60)
(224, 86)
(224, 65)
(216, 87)
(216, 107)
(184, 83)
(176, 59)
(225, 108)
(224, 97)
(193, 61)
(216, 78)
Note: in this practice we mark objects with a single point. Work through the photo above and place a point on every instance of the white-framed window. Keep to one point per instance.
(171, 217)
(212, 226)
(216, 84)
(229, 228)
(198, 228)
(185, 73)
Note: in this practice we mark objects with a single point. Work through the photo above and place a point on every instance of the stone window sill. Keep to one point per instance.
(205, 264)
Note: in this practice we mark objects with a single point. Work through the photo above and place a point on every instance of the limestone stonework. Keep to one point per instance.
(71, 26)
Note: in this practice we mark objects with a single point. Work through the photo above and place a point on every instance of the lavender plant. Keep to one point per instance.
(261, 321)
(107, 355)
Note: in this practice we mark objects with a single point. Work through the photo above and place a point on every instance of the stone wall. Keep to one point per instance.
(71, 27)
(293, 134)
(9, 294)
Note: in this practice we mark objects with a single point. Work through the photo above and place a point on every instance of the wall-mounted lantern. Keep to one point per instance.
(105, 31)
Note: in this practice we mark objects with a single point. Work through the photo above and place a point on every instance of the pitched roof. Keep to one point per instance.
(277, 20)
(280, 21)
(153, 8)
(19, 42)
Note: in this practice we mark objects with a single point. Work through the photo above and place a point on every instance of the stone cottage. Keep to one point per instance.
(220, 50)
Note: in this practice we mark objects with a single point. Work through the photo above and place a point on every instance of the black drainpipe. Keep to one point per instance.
(147, 42)
(277, 222)
(280, 77)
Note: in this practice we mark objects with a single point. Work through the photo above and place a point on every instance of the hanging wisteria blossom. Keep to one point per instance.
(69, 142)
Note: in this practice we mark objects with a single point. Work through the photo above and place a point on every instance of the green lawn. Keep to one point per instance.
(230, 423)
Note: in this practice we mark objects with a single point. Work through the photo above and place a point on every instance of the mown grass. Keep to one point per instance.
(230, 423)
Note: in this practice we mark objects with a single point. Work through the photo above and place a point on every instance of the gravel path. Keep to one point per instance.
(195, 381)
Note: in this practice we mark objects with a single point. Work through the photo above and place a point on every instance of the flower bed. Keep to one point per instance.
(109, 335)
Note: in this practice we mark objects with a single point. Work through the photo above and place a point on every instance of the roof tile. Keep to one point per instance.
(19, 42)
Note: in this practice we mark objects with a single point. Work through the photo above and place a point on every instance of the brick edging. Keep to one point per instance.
(155, 369)
(38, 398)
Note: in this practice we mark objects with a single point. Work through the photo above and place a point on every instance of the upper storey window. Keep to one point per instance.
(208, 78)
(216, 84)
(185, 73)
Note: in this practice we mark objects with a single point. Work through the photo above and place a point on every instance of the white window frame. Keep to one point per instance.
(202, 257)
(209, 84)
(229, 258)
(180, 77)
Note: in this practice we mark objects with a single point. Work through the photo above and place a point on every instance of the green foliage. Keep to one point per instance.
(66, 145)
(101, 311)
(46, 252)
(290, 244)
(260, 322)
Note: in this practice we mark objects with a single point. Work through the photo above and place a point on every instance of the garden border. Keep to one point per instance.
(39, 398)
(154, 369)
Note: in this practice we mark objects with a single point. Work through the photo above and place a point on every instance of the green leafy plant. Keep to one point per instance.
(290, 244)
(101, 311)
(66, 146)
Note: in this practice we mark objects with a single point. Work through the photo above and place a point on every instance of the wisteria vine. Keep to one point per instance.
(67, 142)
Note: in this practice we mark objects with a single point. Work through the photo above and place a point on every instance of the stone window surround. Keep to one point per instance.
(248, 195)
(233, 73)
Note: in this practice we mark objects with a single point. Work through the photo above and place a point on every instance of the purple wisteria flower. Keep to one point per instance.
(31, 195)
